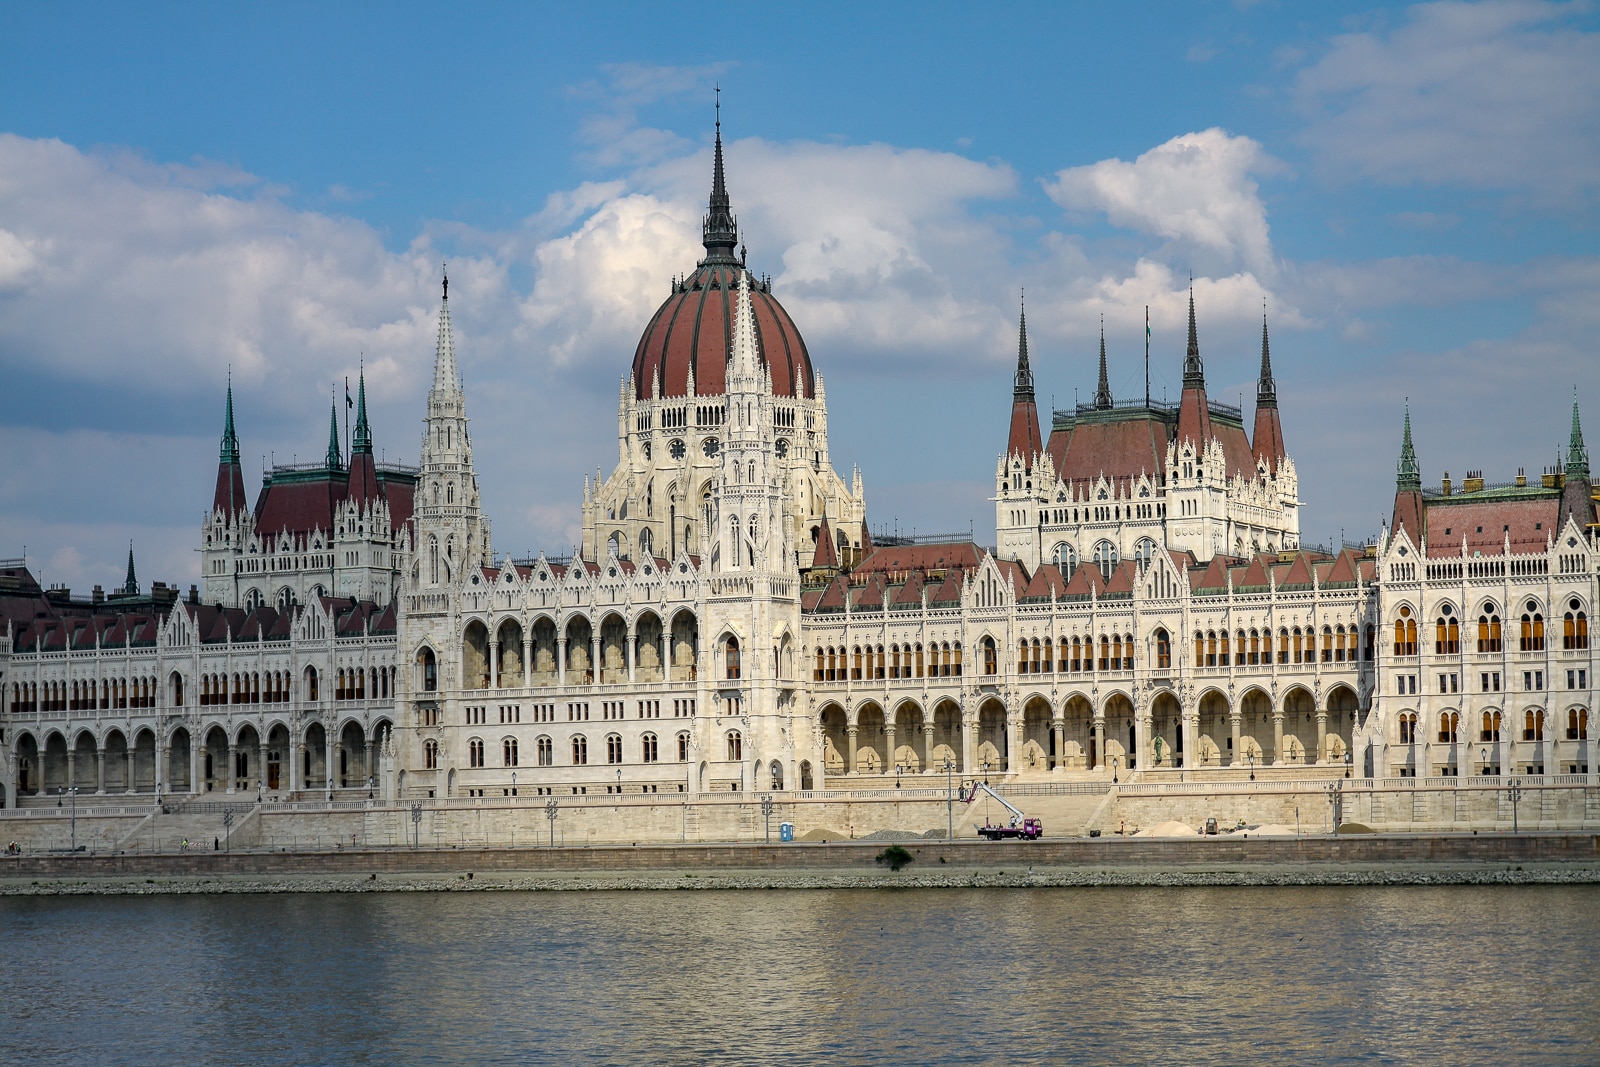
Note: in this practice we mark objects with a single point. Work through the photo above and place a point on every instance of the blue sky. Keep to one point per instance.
(1411, 190)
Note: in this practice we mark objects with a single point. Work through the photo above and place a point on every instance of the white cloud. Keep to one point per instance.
(1493, 95)
(1195, 190)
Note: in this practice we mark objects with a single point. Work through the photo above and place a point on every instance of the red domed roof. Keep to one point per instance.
(695, 328)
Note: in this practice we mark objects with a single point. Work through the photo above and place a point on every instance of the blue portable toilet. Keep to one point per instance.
(786, 831)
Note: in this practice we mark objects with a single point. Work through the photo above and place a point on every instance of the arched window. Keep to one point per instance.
(991, 658)
(580, 750)
(730, 652)
(1105, 557)
(1533, 725)
(1489, 633)
(1066, 559)
(475, 752)
(1163, 650)
(546, 751)
(1491, 727)
(1405, 634)
(1449, 723)
(613, 748)
(1532, 639)
(735, 746)
(508, 750)
(683, 748)
(955, 665)
(649, 749)
(1577, 724)
(430, 754)
(1408, 728)
(820, 668)
(1144, 550)
(1447, 633)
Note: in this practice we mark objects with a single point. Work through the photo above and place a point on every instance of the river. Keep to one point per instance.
(1470, 975)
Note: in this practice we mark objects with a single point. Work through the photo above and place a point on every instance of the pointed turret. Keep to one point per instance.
(335, 456)
(363, 471)
(720, 230)
(1024, 439)
(1267, 441)
(445, 377)
(827, 554)
(229, 495)
(1102, 392)
(1408, 506)
(1194, 410)
(1577, 491)
(130, 584)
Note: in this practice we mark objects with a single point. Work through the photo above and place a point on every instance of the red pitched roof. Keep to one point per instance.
(1486, 525)
(1119, 449)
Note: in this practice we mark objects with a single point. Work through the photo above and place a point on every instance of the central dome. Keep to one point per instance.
(694, 328)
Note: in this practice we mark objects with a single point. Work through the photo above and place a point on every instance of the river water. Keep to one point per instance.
(1059, 976)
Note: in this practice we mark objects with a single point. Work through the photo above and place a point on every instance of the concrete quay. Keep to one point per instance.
(1236, 859)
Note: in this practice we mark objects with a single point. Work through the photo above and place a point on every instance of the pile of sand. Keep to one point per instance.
(1170, 828)
(892, 835)
(1354, 828)
(822, 835)
(1271, 829)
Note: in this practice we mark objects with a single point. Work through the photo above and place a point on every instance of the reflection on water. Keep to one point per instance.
(1093, 976)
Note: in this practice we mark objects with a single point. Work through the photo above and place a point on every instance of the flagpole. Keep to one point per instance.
(1147, 356)
(347, 415)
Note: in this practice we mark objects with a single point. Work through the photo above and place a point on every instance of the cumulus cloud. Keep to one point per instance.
(1501, 95)
(1195, 190)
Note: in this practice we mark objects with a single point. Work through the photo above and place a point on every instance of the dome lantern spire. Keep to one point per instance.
(720, 231)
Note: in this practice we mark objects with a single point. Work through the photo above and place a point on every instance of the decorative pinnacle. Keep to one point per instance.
(363, 435)
(1266, 388)
(720, 231)
(1102, 394)
(335, 457)
(131, 583)
(230, 439)
(1023, 387)
(1194, 372)
(1577, 454)
(1410, 474)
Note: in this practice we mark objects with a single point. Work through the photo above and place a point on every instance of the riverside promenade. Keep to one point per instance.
(1235, 859)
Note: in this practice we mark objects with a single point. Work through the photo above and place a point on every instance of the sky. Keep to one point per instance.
(269, 191)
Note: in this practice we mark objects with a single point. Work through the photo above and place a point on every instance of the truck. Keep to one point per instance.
(1020, 828)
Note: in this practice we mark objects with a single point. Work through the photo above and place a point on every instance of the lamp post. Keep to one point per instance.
(416, 824)
(551, 810)
(1483, 758)
(1114, 770)
(74, 792)
(1349, 761)
(1514, 794)
(985, 765)
(766, 812)
(1252, 758)
(949, 799)
(898, 770)
(513, 783)
(227, 827)
(1335, 791)
(619, 781)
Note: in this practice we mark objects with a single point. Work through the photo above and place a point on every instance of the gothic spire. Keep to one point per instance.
(1409, 478)
(1023, 387)
(720, 231)
(1266, 388)
(445, 377)
(1194, 372)
(335, 458)
(230, 439)
(1102, 393)
(130, 584)
(1577, 454)
(362, 445)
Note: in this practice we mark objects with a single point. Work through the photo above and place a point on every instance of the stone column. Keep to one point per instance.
(850, 735)
(1277, 737)
(1097, 730)
(889, 760)
(630, 648)
(594, 656)
(329, 750)
(1058, 734)
(128, 756)
(1141, 738)
(1322, 735)
(195, 785)
(100, 771)
(1234, 756)
(969, 744)
(927, 742)
(229, 766)
(261, 768)
(561, 661)
(527, 657)
(72, 767)
(1190, 724)
(335, 765)
(494, 661)
(1013, 753)
(297, 760)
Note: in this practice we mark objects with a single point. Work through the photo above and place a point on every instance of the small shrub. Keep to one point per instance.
(895, 857)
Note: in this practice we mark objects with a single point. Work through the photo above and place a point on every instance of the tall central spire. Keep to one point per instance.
(1577, 454)
(362, 444)
(1102, 393)
(230, 439)
(335, 457)
(1023, 387)
(1023, 439)
(130, 584)
(720, 232)
(1409, 472)
(445, 378)
(1194, 372)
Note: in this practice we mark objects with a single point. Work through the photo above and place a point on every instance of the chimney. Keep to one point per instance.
(98, 596)
(194, 594)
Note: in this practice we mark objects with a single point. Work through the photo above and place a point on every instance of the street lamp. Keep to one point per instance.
(513, 783)
(1114, 770)
(74, 792)
(898, 770)
(416, 823)
(227, 827)
(1483, 758)
(949, 799)
(766, 811)
(619, 781)
(1252, 758)
(985, 765)
(1335, 790)
(1514, 794)
(551, 810)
